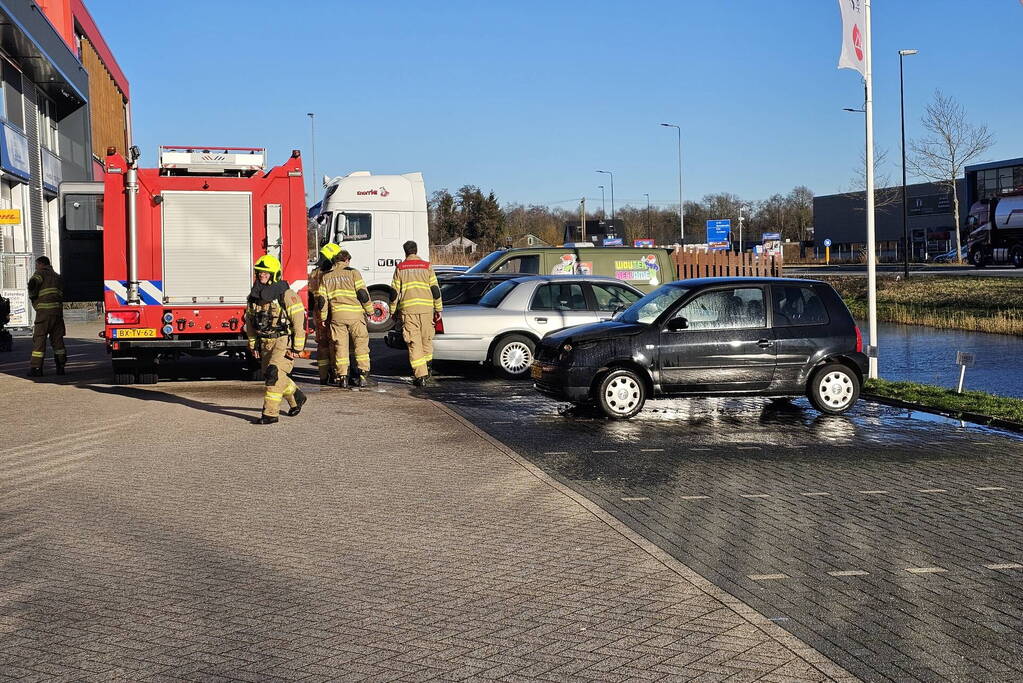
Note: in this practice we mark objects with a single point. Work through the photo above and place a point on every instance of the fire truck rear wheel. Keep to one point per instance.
(124, 378)
(149, 376)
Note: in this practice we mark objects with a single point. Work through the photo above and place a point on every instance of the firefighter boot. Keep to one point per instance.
(264, 420)
(342, 381)
(300, 399)
(325, 381)
(35, 372)
(60, 367)
(364, 380)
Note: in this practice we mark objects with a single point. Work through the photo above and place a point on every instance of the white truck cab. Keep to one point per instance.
(372, 216)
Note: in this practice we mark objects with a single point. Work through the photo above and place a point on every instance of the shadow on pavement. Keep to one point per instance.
(164, 397)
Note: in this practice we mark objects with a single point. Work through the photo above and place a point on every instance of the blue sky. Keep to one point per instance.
(529, 98)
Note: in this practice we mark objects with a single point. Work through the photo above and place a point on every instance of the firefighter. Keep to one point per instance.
(46, 292)
(344, 297)
(417, 304)
(324, 348)
(275, 326)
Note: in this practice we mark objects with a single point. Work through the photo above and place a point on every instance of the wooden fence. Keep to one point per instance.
(692, 264)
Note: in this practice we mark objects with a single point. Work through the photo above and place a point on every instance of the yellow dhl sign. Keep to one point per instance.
(10, 216)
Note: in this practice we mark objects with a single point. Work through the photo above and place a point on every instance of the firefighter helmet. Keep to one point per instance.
(329, 251)
(268, 263)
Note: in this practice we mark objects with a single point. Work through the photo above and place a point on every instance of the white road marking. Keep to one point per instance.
(502, 423)
(925, 570)
(754, 495)
(850, 572)
(651, 450)
(877, 491)
(990, 488)
(1007, 565)
(605, 451)
(816, 493)
(629, 500)
(693, 497)
(932, 490)
(749, 448)
(556, 453)
(766, 577)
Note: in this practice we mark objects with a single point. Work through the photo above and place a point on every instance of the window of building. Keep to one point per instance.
(14, 109)
(83, 212)
(47, 123)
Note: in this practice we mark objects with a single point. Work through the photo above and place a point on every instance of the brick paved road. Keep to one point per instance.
(153, 533)
(891, 544)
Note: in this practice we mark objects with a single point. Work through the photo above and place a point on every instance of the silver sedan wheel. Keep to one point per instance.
(516, 358)
(835, 390)
(622, 394)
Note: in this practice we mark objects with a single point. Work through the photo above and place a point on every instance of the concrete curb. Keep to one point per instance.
(985, 420)
(772, 630)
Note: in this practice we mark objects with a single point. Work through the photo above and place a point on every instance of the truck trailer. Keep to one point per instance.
(179, 241)
(996, 227)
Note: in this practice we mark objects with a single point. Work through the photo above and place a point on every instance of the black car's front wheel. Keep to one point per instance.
(621, 394)
(833, 388)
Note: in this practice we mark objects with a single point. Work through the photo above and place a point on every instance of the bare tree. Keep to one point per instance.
(950, 143)
(884, 193)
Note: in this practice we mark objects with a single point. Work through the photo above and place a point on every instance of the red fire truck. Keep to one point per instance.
(179, 242)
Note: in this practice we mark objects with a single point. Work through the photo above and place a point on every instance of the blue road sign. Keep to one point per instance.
(612, 241)
(719, 234)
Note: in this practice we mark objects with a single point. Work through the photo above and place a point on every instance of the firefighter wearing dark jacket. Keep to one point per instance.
(46, 292)
(321, 321)
(275, 326)
(344, 298)
(418, 304)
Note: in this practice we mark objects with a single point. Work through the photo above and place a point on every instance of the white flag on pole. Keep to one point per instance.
(854, 21)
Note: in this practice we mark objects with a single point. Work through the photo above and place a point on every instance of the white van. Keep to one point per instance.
(371, 216)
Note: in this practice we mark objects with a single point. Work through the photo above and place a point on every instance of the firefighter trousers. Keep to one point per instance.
(324, 352)
(276, 368)
(347, 335)
(48, 324)
(417, 330)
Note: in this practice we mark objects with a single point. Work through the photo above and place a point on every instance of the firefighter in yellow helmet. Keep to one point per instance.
(344, 297)
(45, 291)
(321, 318)
(275, 326)
(417, 302)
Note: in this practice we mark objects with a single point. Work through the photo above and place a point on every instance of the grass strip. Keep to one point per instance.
(941, 398)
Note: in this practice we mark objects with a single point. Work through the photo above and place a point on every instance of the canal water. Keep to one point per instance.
(927, 355)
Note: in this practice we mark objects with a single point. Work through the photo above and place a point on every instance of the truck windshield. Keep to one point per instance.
(647, 309)
(486, 263)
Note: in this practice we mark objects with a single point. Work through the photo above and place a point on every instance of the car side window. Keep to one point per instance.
(527, 264)
(796, 305)
(726, 309)
(559, 297)
(613, 297)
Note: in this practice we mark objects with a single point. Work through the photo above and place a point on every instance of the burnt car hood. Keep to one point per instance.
(611, 329)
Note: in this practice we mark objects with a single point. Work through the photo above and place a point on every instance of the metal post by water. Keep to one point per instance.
(871, 243)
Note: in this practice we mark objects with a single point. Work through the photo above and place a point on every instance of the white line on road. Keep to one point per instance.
(932, 490)
(556, 453)
(630, 500)
(692, 497)
(1007, 565)
(925, 570)
(879, 491)
(990, 488)
(605, 451)
(850, 572)
(699, 449)
(816, 493)
(651, 450)
(766, 577)
(754, 495)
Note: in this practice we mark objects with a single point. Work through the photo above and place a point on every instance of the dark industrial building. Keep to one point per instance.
(842, 218)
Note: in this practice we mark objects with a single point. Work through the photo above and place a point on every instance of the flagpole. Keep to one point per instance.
(871, 245)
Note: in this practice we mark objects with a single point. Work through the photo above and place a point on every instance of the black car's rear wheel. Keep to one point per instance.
(621, 394)
(833, 388)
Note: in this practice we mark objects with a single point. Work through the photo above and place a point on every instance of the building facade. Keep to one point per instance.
(63, 99)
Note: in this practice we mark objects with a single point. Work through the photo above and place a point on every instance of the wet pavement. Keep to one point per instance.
(889, 541)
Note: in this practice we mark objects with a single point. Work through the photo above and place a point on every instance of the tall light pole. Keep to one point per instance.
(647, 195)
(612, 192)
(603, 210)
(312, 145)
(681, 206)
(905, 200)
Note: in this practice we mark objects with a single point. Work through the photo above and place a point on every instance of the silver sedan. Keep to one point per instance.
(508, 321)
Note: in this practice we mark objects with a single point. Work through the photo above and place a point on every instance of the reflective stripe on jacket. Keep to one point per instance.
(343, 293)
(46, 290)
(415, 286)
(291, 316)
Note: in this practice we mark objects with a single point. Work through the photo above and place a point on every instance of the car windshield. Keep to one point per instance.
(484, 264)
(647, 309)
(494, 297)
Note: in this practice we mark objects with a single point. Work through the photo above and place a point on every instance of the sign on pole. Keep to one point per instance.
(719, 234)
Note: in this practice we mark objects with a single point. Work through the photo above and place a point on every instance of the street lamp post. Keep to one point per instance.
(681, 206)
(312, 136)
(647, 195)
(905, 200)
(612, 192)
(603, 209)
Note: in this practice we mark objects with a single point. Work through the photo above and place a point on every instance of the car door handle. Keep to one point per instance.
(765, 343)
(540, 320)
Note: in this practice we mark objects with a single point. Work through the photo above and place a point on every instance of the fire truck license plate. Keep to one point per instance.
(135, 334)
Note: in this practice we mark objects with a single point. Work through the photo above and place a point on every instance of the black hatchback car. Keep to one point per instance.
(711, 337)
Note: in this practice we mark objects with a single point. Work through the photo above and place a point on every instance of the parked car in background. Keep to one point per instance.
(509, 320)
(449, 270)
(643, 268)
(460, 290)
(948, 256)
(711, 337)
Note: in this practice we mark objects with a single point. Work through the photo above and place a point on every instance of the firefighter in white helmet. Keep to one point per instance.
(275, 326)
